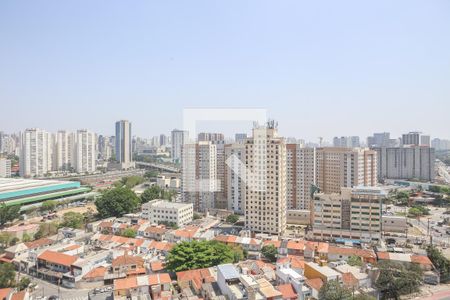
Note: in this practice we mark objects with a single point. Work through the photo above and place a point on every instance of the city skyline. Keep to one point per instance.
(318, 70)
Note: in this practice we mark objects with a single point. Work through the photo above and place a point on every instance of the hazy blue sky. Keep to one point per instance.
(321, 68)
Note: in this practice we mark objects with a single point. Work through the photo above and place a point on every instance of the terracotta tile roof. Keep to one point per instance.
(351, 251)
(105, 224)
(125, 283)
(297, 262)
(421, 259)
(277, 244)
(138, 271)
(349, 280)
(226, 238)
(4, 293)
(71, 247)
(196, 276)
(19, 295)
(95, 273)
(383, 255)
(58, 258)
(39, 243)
(157, 266)
(162, 278)
(295, 245)
(319, 246)
(187, 232)
(156, 230)
(315, 283)
(126, 260)
(287, 291)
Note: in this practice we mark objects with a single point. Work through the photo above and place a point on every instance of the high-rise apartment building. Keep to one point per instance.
(425, 140)
(218, 140)
(382, 139)
(234, 182)
(104, 147)
(199, 175)
(411, 138)
(35, 153)
(301, 175)
(123, 150)
(64, 153)
(85, 151)
(413, 163)
(265, 190)
(179, 138)
(5, 168)
(352, 214)
(439, 144)
(345, 167)
(163, 140)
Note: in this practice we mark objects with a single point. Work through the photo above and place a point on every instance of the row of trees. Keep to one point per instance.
(8, 278)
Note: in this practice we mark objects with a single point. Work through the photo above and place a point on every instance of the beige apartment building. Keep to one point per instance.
(234, 182)
(354, 213)
(265, 190)
(345, 167)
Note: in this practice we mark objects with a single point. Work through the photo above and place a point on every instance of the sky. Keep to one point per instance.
(320, 68)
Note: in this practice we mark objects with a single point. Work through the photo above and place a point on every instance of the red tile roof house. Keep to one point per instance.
(158, 286)
(342, 253)
(52, 265)
(13, 294)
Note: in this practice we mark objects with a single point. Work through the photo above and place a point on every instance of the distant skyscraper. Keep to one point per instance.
(265, 192)
(382, 139)
(346, 142)
(85, 152)
(35, 153)
(208, 136)
(425, 140)
(5, 168)
(123, 148)
(162, 140)
(179, 138)
(411, 138)
(240, 137)
(2, 137)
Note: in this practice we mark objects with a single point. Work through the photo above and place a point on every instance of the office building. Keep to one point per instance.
(234, 183)
(105, 150)
(85, 152)
(163, 140)
(162, 211)
(199, 175)
(301, 175)
(123, 148)
(412, 163)
(345, 167)
(35, 153)
(411, 138)
(352, 214)
(265, 191)
(5, 168)
(179, 138)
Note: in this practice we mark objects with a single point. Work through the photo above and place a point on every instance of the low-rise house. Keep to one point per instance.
(14, 294)
(157, 286)
(157, 233)
(314, 270)
(18, 231)
(52, 265)
(315, 284)
(343, 253)
(127, 263)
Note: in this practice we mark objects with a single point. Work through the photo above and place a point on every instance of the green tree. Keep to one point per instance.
(396, 279)
(199, 254)
(270, 252)
(333, 290)
(151, 174)
(363, 297)
(46, 229)
(48, 205)
(130, 181)
(5, 239)
(8, 213)
(232, 219)
(26, 237)
(7, 275)
(197, 216)
(116, 202)
(72, 220)
(441, 263)
(129, 233)
(152, 193)
(23, 283)
(418, 211)
(354, 260)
